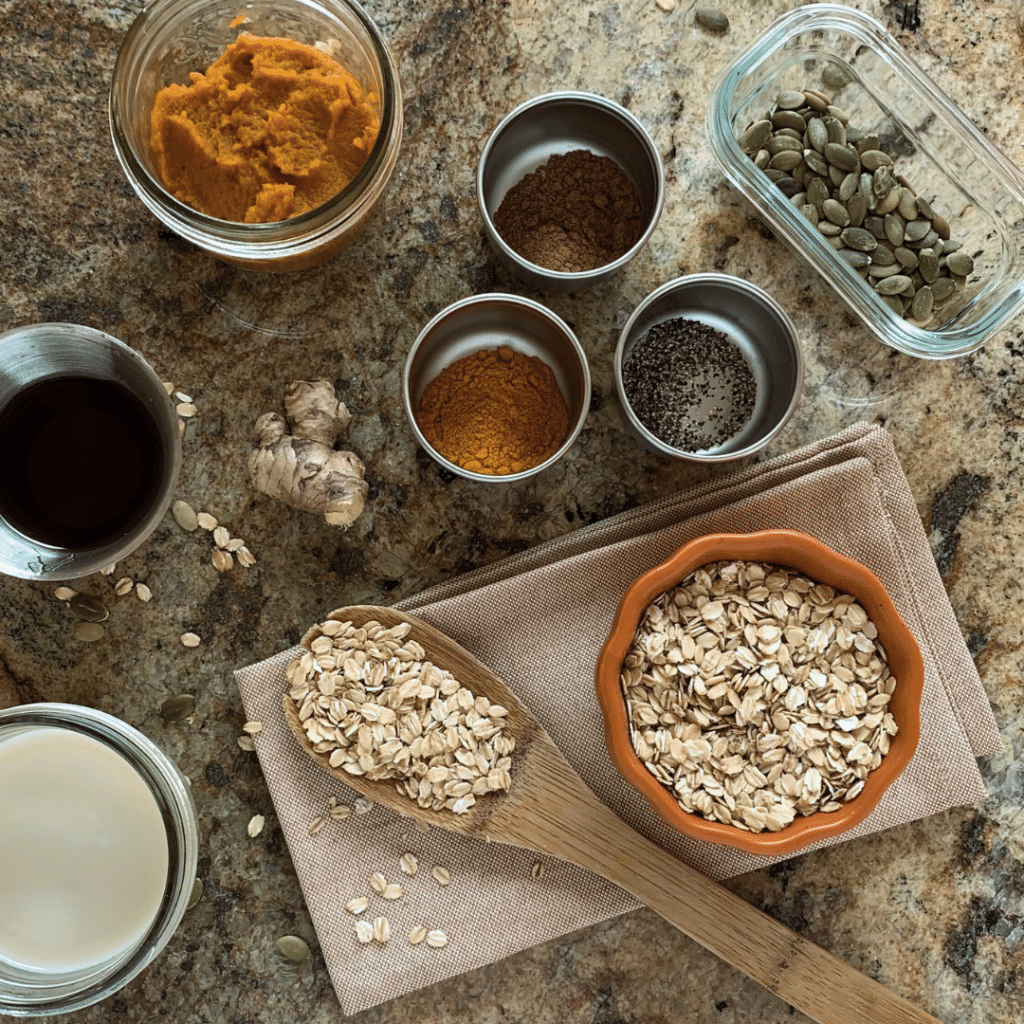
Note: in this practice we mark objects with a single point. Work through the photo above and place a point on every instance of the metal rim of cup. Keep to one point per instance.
(583, 279)
(45, 562)
(760, 295)
(545, 313)
(64, 993)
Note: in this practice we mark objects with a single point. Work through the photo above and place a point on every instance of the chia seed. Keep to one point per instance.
(689, 384)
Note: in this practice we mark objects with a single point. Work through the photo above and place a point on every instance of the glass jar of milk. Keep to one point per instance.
(98, 851)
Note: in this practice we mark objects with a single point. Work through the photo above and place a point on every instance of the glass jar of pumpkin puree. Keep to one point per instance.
(172, 39)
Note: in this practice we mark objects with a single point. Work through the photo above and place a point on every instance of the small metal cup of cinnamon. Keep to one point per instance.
(570, 188)
(496, 388)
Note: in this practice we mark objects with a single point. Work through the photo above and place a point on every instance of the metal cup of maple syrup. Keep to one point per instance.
(89, 451)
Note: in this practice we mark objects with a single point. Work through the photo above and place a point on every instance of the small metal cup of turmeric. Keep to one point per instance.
(496, 388)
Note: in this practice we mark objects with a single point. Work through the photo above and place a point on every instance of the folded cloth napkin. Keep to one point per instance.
(538, 619)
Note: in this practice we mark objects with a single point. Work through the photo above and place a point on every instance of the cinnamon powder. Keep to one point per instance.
(577, 212)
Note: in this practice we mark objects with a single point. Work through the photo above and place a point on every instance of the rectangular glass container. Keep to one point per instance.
(941, 154)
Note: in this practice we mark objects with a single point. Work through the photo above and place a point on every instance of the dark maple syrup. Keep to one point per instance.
(80, 461)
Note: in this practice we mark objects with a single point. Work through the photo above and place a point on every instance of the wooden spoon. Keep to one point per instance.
(550, 810)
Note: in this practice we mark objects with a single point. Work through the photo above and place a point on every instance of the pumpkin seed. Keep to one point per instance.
(894, 228)
(185, 516)
(922, 305)
(857, 208)
(928, 264)
(959, 263)
(854, 257)
(712, 19)
(177, 709)
(788, 119)
(873, 159)
(756, 136)
(791, 99)
(893, 285)
(907, 257)
(291, 947)
(835, 76)
(882, 257)
(841, 157)
(88, 609)
(942, 289)
(87, 632)
(908, 207)
(861, 240)
(835, 212)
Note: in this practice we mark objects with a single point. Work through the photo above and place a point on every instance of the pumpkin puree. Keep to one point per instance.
(272, 129)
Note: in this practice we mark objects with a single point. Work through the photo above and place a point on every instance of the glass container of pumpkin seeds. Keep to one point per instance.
(869, 173)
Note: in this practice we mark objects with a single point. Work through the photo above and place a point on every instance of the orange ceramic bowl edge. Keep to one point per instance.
(822, 564)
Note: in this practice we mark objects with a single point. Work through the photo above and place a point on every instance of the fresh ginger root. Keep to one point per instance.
(302, 469)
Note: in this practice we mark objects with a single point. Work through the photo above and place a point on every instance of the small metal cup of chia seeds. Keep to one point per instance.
(708, 368)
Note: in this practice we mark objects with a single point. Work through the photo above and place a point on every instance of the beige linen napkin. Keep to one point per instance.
(538, 619)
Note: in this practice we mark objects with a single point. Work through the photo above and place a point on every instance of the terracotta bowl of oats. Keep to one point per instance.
(760, 690)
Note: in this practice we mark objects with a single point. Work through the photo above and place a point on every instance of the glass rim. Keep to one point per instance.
(797, 232)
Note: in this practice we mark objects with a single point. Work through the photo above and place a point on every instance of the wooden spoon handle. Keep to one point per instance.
(803, 974)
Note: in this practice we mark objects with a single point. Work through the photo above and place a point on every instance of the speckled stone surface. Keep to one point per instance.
(934, 910)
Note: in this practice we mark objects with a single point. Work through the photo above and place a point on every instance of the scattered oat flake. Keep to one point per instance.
(357, 905)
(252, 728)
(181, 428)
(437, 939)
(182, 397)
(666, 5)
(537, 871)
(316, 826)
(206, 521)
(442, 875)
(190, 640)
(339, 812)
(124, 586)
(177, 709)
(245, 557)
(222, 560)
(417, 935)
(381, 929)
(169, 387)
(246, 743)
(364, 931)
(234, 544)
(256, 824)
(378, 883)
(392, 892)
(221, 536)
(185, 409)
(64, 593)
(409, 864)
(361, 805)
(143, 593)
(108, 570)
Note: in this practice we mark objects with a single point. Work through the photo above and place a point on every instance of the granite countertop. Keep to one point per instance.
(934, 910)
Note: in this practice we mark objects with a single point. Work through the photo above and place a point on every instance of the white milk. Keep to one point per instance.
(83, 851)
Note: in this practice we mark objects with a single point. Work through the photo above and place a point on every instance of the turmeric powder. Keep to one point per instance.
(272, 129)
(496, 412)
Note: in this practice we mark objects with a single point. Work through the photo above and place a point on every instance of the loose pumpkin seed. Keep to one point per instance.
(88, 609)
(291, 947)
(87, 632)
(712, 19)
(177, 709)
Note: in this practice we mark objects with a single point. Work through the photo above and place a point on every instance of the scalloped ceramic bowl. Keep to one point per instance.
(820, 563)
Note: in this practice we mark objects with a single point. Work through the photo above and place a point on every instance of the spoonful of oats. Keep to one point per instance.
(402, 714)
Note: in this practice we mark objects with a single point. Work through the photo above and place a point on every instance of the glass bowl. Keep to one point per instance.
(941, 154)
(819, 563)
(40, 992)
(171, 38)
